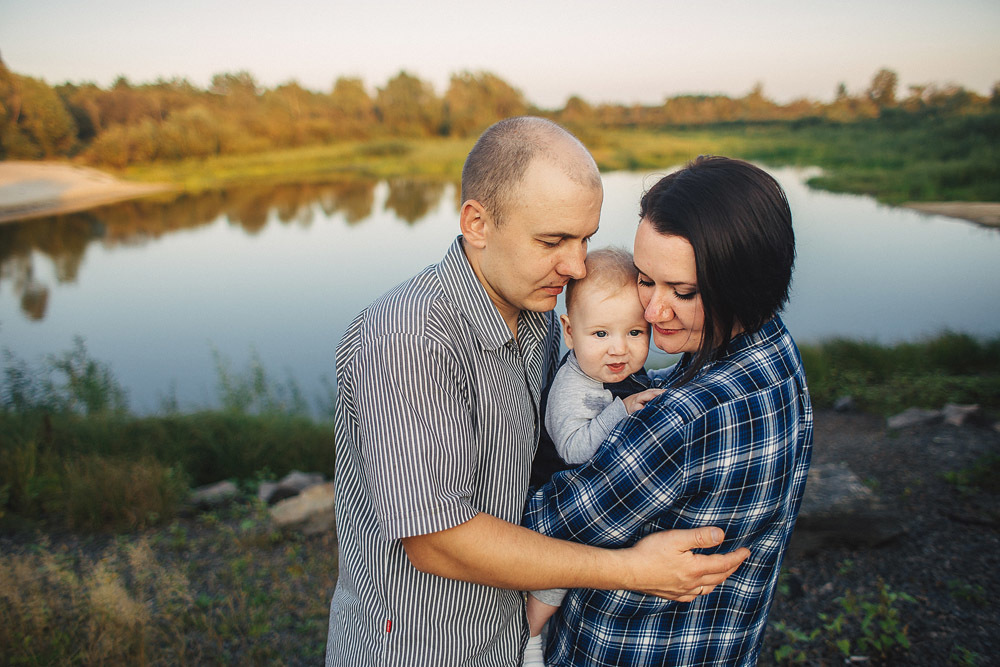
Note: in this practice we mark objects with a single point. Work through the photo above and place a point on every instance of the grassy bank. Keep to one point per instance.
(895, 158)
(73, 454)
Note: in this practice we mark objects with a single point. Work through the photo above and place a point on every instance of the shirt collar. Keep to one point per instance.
(462, 287)
(768, 334)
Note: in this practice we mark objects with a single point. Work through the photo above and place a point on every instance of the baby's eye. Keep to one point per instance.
(635, 333)
(600, 334)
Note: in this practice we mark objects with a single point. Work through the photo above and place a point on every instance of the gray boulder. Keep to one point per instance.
(838, 510)
(213, 496)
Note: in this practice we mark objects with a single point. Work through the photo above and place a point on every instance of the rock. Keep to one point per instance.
(310, 512)
(265, 492)
(844, 404)
(300, 481)
(958, 415)
(213, 496)
(913, 417)
(290, 486)
(838, 510)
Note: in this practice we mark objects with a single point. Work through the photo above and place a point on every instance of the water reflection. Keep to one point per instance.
(64, 239)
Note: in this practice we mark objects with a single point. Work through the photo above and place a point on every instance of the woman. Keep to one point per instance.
(727, 445)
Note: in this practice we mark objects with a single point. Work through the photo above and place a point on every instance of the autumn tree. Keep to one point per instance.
(882, 90)
(408, 107)
(351, 109)
(474, 101)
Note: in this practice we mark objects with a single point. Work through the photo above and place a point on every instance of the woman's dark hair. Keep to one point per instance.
(737, 220)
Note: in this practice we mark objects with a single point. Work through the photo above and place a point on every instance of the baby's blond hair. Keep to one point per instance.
(607, 268)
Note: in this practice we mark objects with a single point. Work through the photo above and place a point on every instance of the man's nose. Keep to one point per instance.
(573, 264)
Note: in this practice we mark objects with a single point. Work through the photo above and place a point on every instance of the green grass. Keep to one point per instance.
(896, 158)
(439, 159)
(950, 368)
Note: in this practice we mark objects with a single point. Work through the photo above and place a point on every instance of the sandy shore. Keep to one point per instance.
(984, 212)
(35, 189)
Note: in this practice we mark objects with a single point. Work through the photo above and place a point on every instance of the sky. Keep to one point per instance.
(608, 51)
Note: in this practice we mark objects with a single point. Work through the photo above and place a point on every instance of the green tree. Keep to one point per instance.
(43, 119)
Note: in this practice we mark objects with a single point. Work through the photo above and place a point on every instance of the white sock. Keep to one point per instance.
(534, 653)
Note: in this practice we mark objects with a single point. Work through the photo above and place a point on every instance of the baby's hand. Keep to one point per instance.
(638, 401)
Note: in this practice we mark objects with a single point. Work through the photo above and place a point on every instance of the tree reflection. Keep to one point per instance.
(64, 239)
(412, 199)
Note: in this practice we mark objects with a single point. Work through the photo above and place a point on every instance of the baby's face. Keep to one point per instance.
(607, 332)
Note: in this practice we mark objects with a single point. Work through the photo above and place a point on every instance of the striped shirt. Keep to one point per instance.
(436, 421)
(730, 448)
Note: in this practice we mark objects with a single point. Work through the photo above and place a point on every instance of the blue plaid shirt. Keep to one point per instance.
(731, 449)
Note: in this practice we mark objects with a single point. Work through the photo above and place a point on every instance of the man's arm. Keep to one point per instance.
(489, 551)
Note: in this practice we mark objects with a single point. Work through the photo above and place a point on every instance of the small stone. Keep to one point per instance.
(844, 404)
(913, 417)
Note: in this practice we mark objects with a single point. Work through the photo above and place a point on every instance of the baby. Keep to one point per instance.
(601, 382)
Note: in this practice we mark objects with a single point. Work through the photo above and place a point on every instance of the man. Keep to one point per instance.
(437, 422)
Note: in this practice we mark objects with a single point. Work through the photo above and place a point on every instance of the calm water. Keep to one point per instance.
(156, 287)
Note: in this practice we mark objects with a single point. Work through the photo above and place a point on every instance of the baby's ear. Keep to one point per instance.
(567, 330)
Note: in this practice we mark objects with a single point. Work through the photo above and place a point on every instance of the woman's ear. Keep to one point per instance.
(567, 330)
(472, 220)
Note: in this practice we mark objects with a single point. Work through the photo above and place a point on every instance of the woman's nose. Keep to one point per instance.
(658, 311)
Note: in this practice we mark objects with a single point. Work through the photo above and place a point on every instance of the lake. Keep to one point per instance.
(159, 288)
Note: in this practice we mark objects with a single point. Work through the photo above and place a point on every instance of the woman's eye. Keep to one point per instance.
(645, 283)
(685, 296)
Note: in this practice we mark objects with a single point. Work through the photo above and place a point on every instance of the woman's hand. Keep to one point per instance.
(638, 401)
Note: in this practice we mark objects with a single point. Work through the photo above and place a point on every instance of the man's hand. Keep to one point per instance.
(638, 401)
(663, 564)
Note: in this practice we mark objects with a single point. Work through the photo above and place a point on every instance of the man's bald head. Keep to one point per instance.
(497, 163)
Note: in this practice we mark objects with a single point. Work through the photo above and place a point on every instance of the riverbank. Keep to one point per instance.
(37, 189)
(224, 587)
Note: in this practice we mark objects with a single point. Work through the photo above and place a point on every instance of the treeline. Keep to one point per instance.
(171, 120)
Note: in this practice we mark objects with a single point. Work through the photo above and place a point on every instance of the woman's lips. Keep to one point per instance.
(667, 332)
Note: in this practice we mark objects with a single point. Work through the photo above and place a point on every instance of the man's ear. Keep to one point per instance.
(567, 330)
(472, 221)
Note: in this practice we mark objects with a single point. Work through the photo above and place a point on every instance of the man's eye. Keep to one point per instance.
(550, 244)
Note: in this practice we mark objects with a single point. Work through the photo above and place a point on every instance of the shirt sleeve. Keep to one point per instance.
(415, 435)
(617, 497)
(579, 417)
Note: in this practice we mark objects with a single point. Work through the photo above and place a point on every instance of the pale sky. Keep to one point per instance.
(607, 51)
